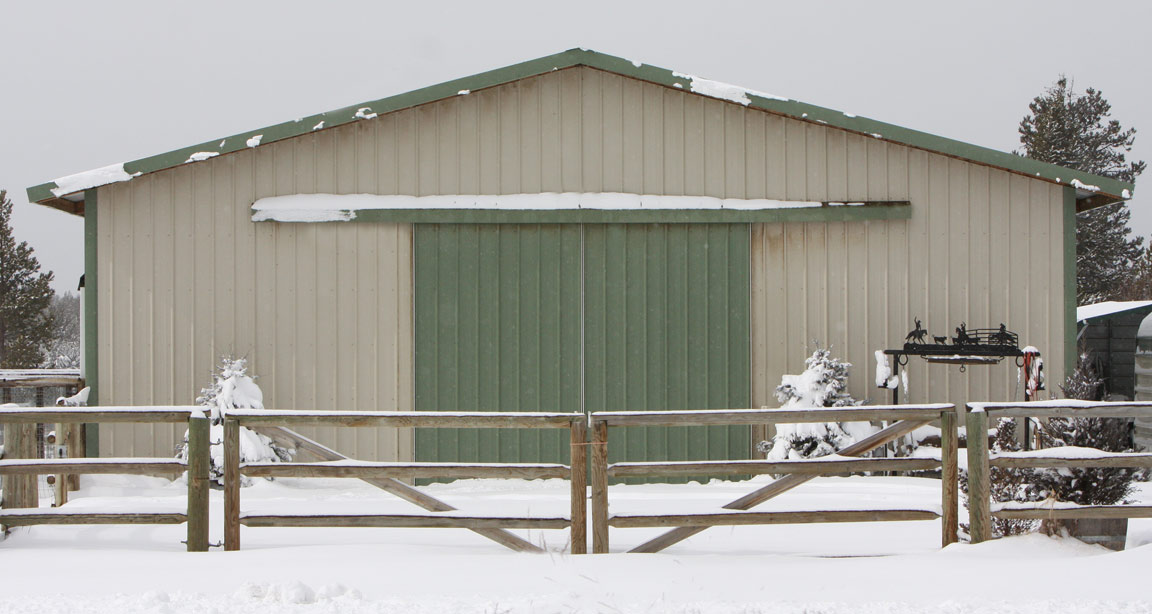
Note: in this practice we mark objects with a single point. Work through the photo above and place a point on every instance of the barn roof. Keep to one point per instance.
(67, 193)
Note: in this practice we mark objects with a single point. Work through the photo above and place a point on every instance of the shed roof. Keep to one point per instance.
(1101, 311)
(67, 193)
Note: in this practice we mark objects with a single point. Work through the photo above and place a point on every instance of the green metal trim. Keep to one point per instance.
(91, 321)
(855, 213)
(1069, 229)
(644, 72)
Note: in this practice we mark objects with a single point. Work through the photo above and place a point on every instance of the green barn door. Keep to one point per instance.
(497, 319)
(666, 326)
(512, 317)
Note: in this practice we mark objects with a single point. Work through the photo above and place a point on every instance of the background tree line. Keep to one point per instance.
(38, 328)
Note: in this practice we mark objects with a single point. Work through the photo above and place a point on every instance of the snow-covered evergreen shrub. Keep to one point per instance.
(233, 388)
(824, 383)
(1084, 486)
(1006, 485)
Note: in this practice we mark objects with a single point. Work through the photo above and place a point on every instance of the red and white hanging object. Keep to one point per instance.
(1032, 372)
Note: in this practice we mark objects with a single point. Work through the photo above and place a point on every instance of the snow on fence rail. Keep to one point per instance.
(980, 462)
(40, 378)
(21, 499)
(907, 418)
(387, 475)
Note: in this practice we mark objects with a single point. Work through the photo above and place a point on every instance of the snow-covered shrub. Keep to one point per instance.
(824, 383)
(1083, 486)
(1006, 485)
(233, 388)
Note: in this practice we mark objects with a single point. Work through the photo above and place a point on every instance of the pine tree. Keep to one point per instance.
(1073, 130)
(25, 296)
(1139, 285)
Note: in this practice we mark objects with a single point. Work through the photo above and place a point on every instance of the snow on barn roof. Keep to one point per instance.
(1085, 313)
(65, 192)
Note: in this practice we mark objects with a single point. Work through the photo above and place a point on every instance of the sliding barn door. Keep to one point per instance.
(497, 320)
(570, 318)
(666, 327)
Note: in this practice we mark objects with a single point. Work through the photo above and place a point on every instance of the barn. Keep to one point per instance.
(578, 232)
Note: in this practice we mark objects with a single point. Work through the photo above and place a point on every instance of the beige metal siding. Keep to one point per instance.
(324, 310)
(983, 246)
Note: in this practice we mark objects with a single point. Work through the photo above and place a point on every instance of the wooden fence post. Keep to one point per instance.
(199, 461)
(20, 490)
(579, 485)
(979, 485)
(231, 484)
(32, 449)
(60, 484)
(949, 477)
(11, 482)
(599, 487)
(74, 445)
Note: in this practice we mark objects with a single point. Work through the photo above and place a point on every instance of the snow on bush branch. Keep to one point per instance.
(824, 383)
(233, 388)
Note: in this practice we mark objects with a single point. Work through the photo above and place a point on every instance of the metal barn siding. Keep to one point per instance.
(982, 246)
(666, 327)
(185, 275)
(323, 312)
(497, 329)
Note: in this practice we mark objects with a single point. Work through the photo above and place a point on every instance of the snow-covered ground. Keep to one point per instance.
(826, 569)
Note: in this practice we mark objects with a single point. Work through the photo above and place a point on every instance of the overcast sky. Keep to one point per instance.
(87, 84)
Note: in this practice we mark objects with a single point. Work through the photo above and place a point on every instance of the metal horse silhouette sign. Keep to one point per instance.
(977, 342)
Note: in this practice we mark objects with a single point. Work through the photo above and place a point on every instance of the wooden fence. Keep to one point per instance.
(387, 476)
(907, 418)
(21, 465)
(69, 438)
(980, 462)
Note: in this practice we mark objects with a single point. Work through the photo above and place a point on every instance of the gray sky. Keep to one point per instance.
(89, 84)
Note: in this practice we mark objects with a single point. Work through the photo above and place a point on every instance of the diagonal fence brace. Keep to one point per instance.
(782, 485)
(290, 438)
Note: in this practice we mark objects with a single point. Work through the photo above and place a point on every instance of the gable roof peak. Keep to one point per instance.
(65, 192)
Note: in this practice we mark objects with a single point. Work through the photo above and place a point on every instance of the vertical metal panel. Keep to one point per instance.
(498, 329)
(978, 286)
(666, 327)
(1000, 235)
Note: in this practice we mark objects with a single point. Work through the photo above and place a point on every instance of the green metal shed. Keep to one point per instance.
(1107, 331)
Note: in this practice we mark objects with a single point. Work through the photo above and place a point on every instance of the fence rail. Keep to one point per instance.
(327, 463)
(388, 475)
(21, 500)
(980, 462)
(907, 418)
